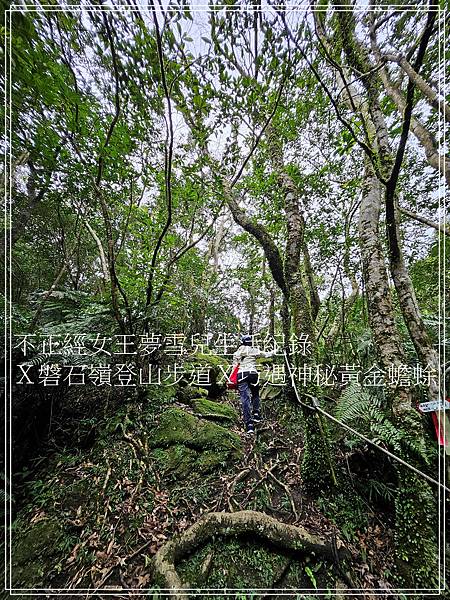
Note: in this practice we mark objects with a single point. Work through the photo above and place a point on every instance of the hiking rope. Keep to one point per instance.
(316, 407)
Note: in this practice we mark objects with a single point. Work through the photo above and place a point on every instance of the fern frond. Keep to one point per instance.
(356, 404)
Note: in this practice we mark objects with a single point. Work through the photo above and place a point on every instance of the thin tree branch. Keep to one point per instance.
(365, 147)
(425, 38)
(168, 155)
(419, 81)
(259, 136)
(181, 253)
(445, 229)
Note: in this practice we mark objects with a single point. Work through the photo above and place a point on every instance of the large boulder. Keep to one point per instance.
(35, 553)
(187, 393)
(177, 426)
(217, 368)
(214, 410)
(185, 445)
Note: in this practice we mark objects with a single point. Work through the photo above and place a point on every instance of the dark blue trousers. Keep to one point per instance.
(249, 392)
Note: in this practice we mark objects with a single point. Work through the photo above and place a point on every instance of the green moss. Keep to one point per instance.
(188, 446)
(210, 460)
(415, 534)
(179, 427)
(182, 462)
(78, 494)
(234, 563)
(239, 562)
(35, 553)
(215, 410)
(216, 368)
(176, 460)
(161, 394)
(317, 472)
(189, 392)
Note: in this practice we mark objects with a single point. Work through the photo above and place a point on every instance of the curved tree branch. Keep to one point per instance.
(407, 113)
(288, 537)
(363, 145)
(426, 139)
(259, 232)
(421, 84)
(181, 253)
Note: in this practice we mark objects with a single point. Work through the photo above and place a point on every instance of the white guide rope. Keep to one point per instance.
(363, 437)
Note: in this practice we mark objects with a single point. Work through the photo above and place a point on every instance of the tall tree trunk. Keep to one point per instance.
(405, 291)
(380, 307)
(410, 308)
(271, 311)
(414, 504)
(251, 315)
(272, 298)
(314, 298)
(214, 247)
(399, 272)
(317, 467)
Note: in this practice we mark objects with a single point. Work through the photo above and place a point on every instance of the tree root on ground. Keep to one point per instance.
(287, 537)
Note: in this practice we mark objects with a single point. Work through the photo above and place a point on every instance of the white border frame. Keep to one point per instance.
(111, 591)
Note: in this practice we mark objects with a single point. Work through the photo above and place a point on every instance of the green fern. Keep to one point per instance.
(367, 411)
(73, 312)
(74, 360)
(379, 489)
(357, 405)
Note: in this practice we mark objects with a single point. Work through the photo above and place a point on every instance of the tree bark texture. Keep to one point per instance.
(380, 307)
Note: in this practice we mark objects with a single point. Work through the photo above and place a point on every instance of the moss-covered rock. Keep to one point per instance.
(210, 460)
(177, 426)
(214, 410)
(182, 462)
(185, 445)
(177, 460)
(160, 395)
(217, 367)
(35, 553)
(187, 393)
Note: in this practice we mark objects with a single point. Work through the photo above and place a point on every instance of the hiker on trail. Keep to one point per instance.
(245, 356)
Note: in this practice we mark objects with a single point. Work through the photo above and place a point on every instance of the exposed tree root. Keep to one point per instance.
(288, 537)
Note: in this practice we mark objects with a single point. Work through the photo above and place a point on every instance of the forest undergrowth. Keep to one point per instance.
(101, 498)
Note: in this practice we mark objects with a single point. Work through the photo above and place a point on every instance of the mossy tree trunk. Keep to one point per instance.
(301, 311)
(415, 509)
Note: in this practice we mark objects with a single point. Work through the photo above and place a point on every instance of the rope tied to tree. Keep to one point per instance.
(316, 407)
